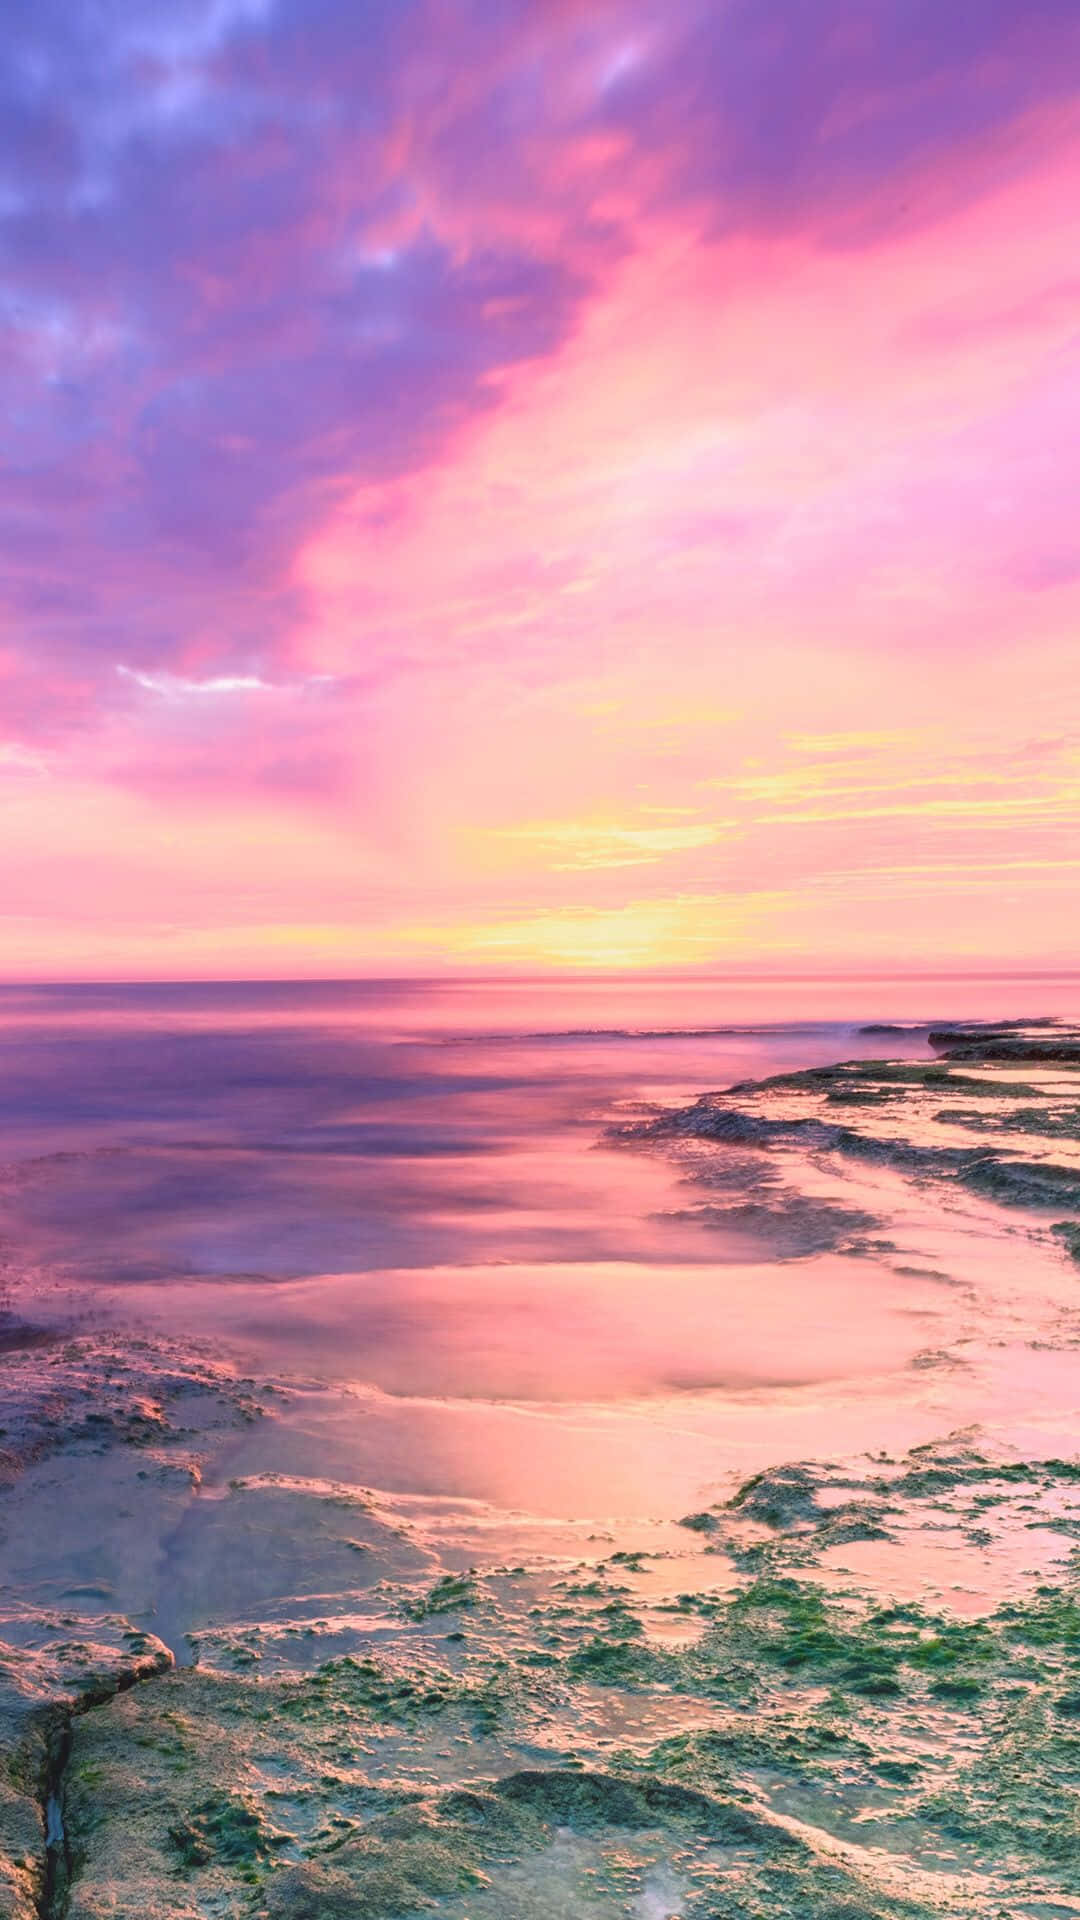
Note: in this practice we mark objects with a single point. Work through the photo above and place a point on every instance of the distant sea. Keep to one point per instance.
(290, 1129)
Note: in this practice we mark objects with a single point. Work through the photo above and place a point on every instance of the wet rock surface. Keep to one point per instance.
(52, 1669)
(1005, 1137)
(79, 1411)
(529, 1742)
(236, 1684)
(1005, 1040)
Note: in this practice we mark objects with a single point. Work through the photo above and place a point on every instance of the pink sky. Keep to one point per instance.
(514, 500)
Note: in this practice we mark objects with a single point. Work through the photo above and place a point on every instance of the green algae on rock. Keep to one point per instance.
(49, 1674)
(803, 1759)
(1022, 1149)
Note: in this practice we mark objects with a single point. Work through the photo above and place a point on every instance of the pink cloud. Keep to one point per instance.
(433, 530)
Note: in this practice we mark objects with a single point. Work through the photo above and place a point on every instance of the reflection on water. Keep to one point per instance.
(416, 1188)
(470, 1404)
(298, 1130)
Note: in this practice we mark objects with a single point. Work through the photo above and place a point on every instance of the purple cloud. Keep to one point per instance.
(254, 253)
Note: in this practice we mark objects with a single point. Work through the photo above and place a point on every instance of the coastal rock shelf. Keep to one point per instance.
(1005, 1040)
(239, 1682)
(744, 1720)
(998, 1134)
(122, 1421)
(52, 1670)
(529, 1737)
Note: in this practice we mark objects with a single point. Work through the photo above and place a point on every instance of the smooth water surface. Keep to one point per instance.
(412, 1187)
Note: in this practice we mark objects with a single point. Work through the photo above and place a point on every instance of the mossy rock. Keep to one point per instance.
(225, 1829)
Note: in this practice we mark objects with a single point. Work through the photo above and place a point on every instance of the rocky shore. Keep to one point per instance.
(849, 1689)
(773, 1737)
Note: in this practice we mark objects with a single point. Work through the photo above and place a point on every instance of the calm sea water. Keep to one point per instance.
(410, 1186)
(290, 1130)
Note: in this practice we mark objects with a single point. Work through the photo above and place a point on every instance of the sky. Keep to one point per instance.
(523, 483)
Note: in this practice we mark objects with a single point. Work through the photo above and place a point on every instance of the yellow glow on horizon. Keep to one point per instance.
(684, 930)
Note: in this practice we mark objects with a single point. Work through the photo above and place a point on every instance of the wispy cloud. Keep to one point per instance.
(15, 759)
(572, 846)
(173, 686)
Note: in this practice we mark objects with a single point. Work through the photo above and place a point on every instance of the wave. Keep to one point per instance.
(561, 1036)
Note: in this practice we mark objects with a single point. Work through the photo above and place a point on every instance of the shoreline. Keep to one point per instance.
(851, 1686)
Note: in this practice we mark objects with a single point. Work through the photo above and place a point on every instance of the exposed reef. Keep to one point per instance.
(1006, 1040)
(52, 1669)
(840, 1689)
(750, 1722)
(534, 1744)
(131, 1418)
(1005, 1138)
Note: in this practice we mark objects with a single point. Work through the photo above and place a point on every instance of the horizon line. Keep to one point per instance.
(735, 976)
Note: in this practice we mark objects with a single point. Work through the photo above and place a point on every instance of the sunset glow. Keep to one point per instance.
(513, 485)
